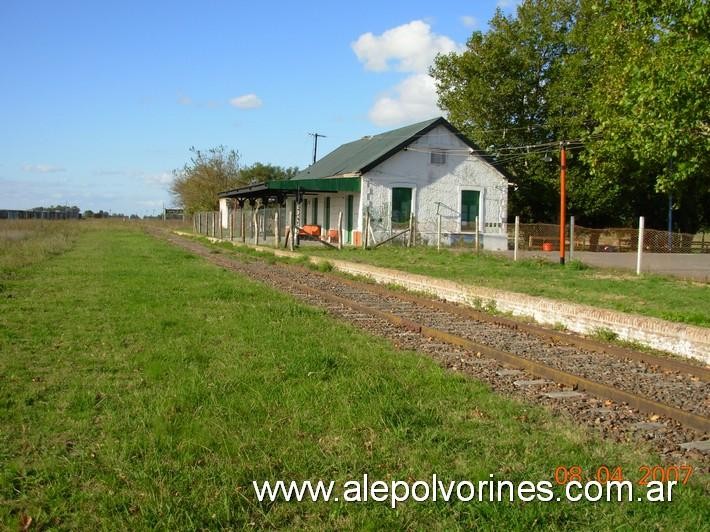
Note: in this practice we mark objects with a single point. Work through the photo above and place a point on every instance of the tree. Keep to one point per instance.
(501, 93)
(196, 186)
(259, 172)
(627, 80)
(650, 99)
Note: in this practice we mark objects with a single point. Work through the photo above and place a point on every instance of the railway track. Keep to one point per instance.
(625, 393)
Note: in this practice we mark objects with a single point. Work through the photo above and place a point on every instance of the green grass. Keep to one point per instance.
(649, 295)
(143, 388)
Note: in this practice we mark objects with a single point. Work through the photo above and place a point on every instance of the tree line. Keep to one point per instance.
(197, 184)
(625, 82)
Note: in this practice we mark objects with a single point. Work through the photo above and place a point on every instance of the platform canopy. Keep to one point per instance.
(278, 190)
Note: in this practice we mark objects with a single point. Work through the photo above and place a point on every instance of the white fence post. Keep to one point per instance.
(516, 234)
(476, 234)
(571, 237)
(340, 230)
(639, 251)
(438, 232)
(277, 235)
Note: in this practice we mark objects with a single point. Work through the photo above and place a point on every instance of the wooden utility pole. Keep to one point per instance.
(315, 145)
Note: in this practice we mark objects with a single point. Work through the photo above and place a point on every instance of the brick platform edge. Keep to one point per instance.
(684, 340)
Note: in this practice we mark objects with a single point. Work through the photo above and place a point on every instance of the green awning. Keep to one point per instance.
(270, 188)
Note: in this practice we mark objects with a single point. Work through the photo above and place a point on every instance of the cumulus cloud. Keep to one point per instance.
(410, 47)
(246, 101)
(469, 22)
(42, 168)
(411, 100)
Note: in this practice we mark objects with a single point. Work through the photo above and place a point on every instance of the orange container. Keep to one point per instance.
(310, 230)
(548, 246)
(333, 235)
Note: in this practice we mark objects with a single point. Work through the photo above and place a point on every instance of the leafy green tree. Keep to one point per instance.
(650, 99)
(500, 92)
(627, 80)
(259, 172)
(196, 186)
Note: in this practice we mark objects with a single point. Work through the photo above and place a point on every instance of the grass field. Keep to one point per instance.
(649, 295)
(142, 388)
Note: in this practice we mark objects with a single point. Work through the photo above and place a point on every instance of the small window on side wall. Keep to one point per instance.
(437, 157)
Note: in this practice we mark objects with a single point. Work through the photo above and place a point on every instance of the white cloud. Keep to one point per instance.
(408, 48)
(469, 22)
(246, 101)
(411, 47)
(162, 179)
(184, 100)
(412, 100)
(42, 168)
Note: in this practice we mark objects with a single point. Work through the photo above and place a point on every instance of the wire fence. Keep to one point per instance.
(546, 237)
(259, 226)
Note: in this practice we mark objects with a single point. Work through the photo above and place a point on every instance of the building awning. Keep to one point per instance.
(280, 189)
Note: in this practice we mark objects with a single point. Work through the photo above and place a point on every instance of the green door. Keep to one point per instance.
(349, 226)
(315, 211)
(469, 209)
(401, 205)
(326, 215)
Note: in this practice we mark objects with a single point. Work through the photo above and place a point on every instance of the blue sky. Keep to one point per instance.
(100, 101)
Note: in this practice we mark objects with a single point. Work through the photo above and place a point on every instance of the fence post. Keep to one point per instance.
(340, 229)
(571, 237)
(255, 224)
(221, 228)
(230, 221)
(639, 251)
(411, 229)
(476, 238)
(438, 232)
(243, 227)
(366, 233)
(277, 237)
(516, 236)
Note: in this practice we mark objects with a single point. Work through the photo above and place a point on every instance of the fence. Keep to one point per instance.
(546, 237)
(259, 226)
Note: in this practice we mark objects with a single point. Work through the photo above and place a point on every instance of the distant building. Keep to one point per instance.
(428, 169)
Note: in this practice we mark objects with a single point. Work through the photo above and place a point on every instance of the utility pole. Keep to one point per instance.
(315, 145)
(563, 199)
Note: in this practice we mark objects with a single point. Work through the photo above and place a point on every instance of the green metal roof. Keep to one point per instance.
(273, 188)
(361, 155)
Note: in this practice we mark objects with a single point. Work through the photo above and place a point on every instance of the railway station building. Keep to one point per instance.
(428, 174)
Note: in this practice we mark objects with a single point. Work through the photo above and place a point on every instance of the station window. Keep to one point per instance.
(401, 204)
(469, 209)
(438, 157)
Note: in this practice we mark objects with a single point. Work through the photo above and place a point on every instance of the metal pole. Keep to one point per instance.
(563, 200)
(639, 251)
(670, 222)
(571, 237)
(516, 237)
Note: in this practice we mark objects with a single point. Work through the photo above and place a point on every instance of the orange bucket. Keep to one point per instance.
(548, 246)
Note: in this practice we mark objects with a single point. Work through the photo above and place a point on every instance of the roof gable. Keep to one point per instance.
(359, 156)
